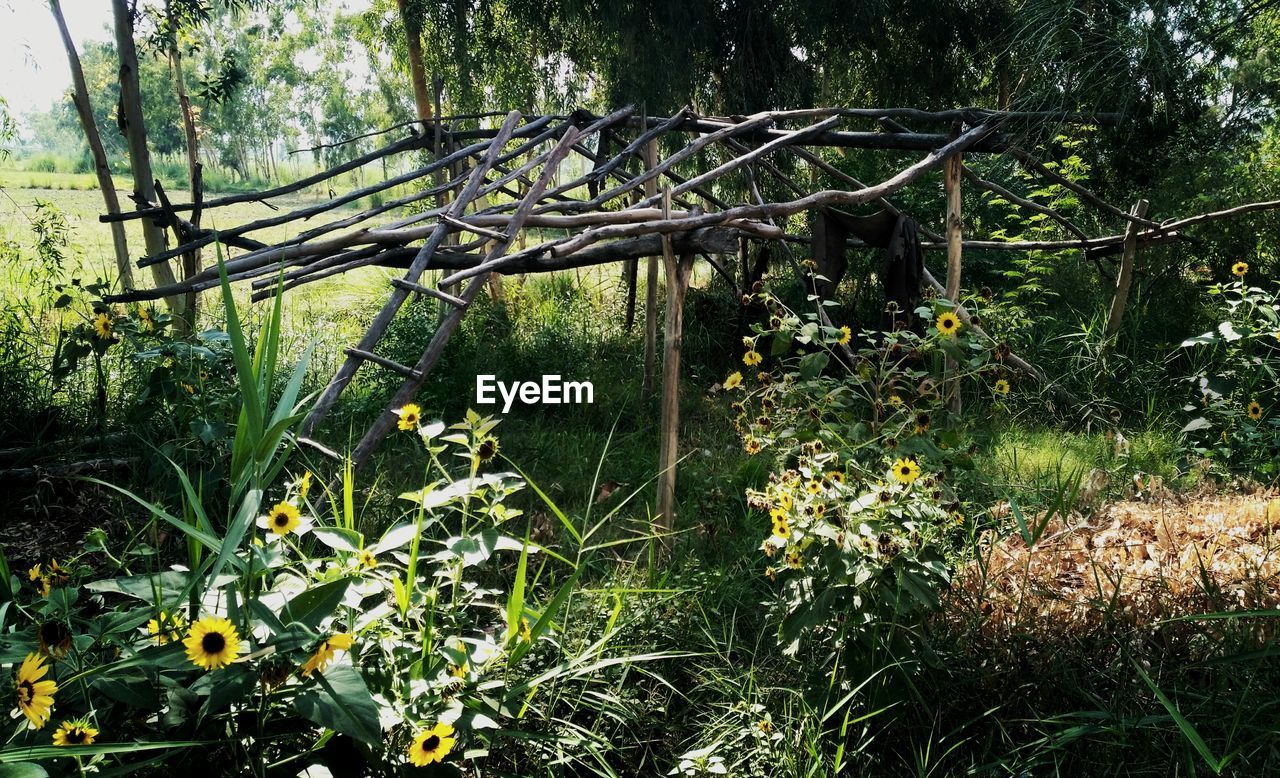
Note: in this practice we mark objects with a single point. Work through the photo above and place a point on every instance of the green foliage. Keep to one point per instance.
(1233, 387)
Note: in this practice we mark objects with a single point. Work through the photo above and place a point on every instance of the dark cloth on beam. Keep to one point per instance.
(901, 269)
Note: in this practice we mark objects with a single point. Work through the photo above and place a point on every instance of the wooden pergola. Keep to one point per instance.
(630, 204)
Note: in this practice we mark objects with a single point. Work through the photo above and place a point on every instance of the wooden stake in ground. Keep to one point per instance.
(677, 272)
(651, 280)
(124, 264)
(1125, 278)
(951, 181)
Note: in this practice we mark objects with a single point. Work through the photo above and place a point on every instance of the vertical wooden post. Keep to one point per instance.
(1124, 280)
(651, 281)
(677, 274)
(951, 183)
(630, 273)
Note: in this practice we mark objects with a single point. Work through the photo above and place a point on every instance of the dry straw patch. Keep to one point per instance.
(1132, 566)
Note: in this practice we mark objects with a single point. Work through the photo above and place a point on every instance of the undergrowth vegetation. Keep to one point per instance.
(895, 554)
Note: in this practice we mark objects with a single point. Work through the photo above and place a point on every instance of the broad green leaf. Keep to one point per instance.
(341, 701)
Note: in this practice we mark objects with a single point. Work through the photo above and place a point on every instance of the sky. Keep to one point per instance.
(33, 65)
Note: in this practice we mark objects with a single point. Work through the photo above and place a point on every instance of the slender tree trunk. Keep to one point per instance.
(135, 132)
(191, 259)
(124, 264)
(417, 74)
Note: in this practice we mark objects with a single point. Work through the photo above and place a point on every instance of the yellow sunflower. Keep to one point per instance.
(835, 477)
(948, 324)
(1254, 410)
(1002, 386)
(283, 518)
(752, 358)
(733, 381)
(752, 446)
(35, 696)
(144, 316)
(367, 560)
(166, 628)
(212, 643)
(895, 401)
(846, 335)
(331, 645)
(781, 528)
(906, 470)
(432, 745)
(102, 326)
(1239, 269)
(304, 484)
(409, 415)
(55, 638)
(795, 560)
(488, 449)
(74, 733)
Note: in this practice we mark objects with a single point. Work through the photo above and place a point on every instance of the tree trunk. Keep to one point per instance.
(191, 259)
(417, 74)
(124, 264)
(134, 130)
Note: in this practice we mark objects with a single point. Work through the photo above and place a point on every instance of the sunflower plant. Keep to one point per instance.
(288, 634)
(1233, 383)
(860, 498)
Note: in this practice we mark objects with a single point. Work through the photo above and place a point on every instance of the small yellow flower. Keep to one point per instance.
(752, 446)
(304, 484)
(1255, 410)
(781, 528)
(166, 628)
(846, 335)
(1239, 269)
(526, 631)
(74, 733)
(906, 470)
(752, 358)
(814, 486)
(432, 745)
(895, 400)
(733, 381)
(212, 643)
(35, 696)
(144, 316)
(102, 326)
(282, 519)
(324, 654)
(367, 560)
(795, 560)
(835, 477)
(409, 415)
(1002, 387)
(948, 324)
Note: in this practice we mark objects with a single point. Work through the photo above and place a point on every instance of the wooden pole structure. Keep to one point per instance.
(1124, 280)
(651, 279)
(677, 273)
(951, 183)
